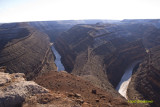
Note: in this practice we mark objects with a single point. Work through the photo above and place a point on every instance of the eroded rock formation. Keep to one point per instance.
(98, 53)
(101, 52)
(145, 83)
(24, 49)
(14, 89)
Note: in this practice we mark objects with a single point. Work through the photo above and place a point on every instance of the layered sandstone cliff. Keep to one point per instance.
(101, 53)
(145, 83)
(98, 53)
(25, 50)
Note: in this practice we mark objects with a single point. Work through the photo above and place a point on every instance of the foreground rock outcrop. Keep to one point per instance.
(14, 89)
(66, 90)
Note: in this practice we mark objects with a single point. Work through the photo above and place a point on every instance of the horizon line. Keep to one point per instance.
(81, 20)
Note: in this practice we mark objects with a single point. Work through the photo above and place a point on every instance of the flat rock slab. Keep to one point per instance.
(14, 89)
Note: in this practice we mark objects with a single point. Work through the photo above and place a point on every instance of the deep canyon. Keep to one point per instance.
(94, 58)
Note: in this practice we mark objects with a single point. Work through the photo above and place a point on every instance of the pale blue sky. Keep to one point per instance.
(37, 10)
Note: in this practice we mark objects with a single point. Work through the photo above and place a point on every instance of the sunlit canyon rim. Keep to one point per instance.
(92, 63)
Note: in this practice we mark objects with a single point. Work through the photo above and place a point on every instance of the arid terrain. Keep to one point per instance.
(95, 55)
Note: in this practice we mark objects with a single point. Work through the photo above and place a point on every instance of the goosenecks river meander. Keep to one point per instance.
(58, 63)
(126, 78)
(123, 84)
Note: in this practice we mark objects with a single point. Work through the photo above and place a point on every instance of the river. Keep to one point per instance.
(57, 61)
(126, 78)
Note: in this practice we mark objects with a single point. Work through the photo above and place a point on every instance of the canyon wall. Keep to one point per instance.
(101, 52)
(25, 50)
(98, 53)
(145, 84)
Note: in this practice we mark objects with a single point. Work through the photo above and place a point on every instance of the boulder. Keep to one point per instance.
(14, 89)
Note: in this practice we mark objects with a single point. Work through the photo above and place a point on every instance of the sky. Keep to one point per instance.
(41, 10)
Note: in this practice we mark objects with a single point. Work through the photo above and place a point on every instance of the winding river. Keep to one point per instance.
(57, 61)
(126, 78)
(123, 84)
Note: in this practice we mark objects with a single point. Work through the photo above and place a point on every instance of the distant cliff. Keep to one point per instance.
(25, 49)
(102, 52)
(145, 83)
(52, 28)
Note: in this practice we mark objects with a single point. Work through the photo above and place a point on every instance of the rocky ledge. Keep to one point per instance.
(64, 90)
(14, 89)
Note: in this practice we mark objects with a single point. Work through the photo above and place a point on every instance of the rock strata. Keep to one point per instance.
(145, 83)
(24, 49)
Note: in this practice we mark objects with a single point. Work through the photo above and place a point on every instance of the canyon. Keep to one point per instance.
(58, 63)
(91, 57)
(125, 80)
(100, 53)
(25, 50)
